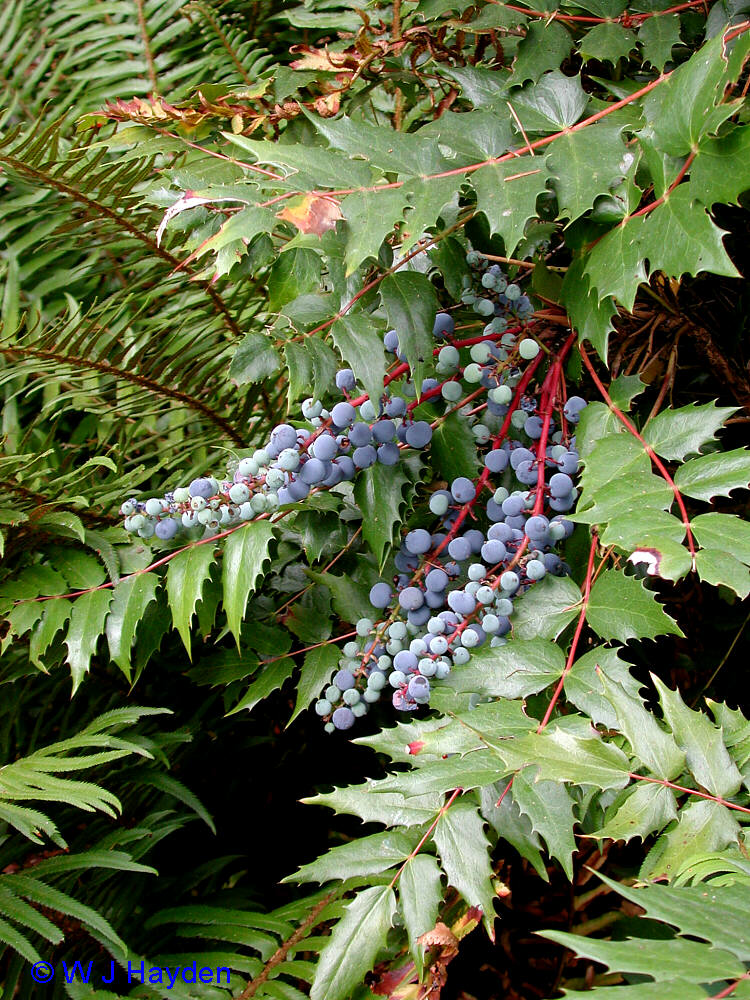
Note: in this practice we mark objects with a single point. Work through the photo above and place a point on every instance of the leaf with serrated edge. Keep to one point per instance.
(354, 944)
(130, 598)
(675, 434)
(546, 608)
(379, 493)
(359, 341)
(521, 668)
(420, 895)
(549, 807)
(373, 805)
(462, 846)
(512, 825)
(186, 575)
(721, 568)
(707, 758)
(317, 669)
(507, 194)
(270, 679)
(245, 552)
(564, 756)
(621, 608)
(714, 475)
(363, 856)
(583, 683)
(651, 744)
(680, 959)
(638, 811)
(702, 827)
(410, 304)
(86, 625)
(725, 532)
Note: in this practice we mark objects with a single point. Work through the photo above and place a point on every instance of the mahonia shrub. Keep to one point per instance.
(376, 373)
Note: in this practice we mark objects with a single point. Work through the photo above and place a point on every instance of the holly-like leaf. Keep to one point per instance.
(86, 625)
(721, 169)
(325, 364)
(370, 216)
(294, 273)
(590, 314)
(379, 493)
(638, 811)
(725, 532)
(254, 359)
(354, 944)
(462, 846)
(317, 669)
(299, 367)
(359, 341)
(584, 687)
(554, 103)
(714, 475)
(587, 164)
(685, 107)
(721, 568)
(245, 552)
(420, 895)
(545, 609)
(549, 807)
(512, 825)
(427, 199)
(657, 37)
(54, 616)
(375, 806)
(453, 449)
(507, 194)
(363, 856)
(546, 45)
(607, 43)
(410, 303)
(561, 755)
(702, 828)
(651, 744)
(707, 758)
(186, 576)
(686, 960)
(270, 678)
(621, 608)
(130, 598)
(516, 670)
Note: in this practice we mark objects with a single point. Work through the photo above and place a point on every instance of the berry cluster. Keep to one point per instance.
(453, 586)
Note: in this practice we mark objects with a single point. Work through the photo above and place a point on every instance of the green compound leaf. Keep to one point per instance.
(544, 48)
(520, 668)
(721, 568)
(130, 598)
(638, 811)
(657, 36)
(702, 828)
(294, 273)
(86, 625)
(587, 164)
(545, 609)
(714, 475)
(410, 303)
(317, 670)
(462, 847)
(721, 170)
(245, 552)
(686, 960)
(607, 43)
(675, 434)
(707, 757)
(364, 856)
(507, 194)
(370, 216)
(419, 896)
(621, 608)
(186, 576)
(453, 449)
(554, 103)
(652, 745)
(254, 360)
(512, 825)
(549, 807)
(693, 911)
(359, 341)
(270, 679)
(354, 944)
(684, 108)
(379, 493)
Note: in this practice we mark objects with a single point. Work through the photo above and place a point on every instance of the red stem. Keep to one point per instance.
(649, 450)
(689, 791)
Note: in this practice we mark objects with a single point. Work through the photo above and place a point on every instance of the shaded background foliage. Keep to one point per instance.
(117, 353)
